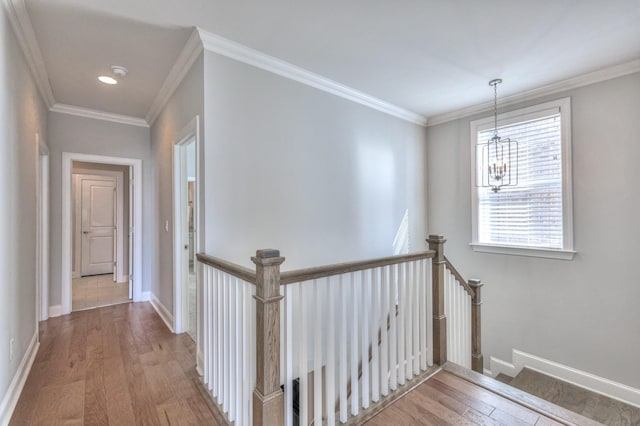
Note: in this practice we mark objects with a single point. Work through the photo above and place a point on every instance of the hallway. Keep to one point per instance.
(116, 365)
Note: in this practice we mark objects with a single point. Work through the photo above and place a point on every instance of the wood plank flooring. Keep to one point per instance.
(447, 399)
(579, 400)
(117, 365)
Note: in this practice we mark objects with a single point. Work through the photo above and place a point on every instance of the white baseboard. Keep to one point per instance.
(10, 399)
(200, 363)
(145, 296)
(162, 310)
(606, 387)
(55, 311)
(499, 366)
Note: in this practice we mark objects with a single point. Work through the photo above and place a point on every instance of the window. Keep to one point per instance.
(533, 218)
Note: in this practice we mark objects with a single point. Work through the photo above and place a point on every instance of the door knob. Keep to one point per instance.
(85, 232)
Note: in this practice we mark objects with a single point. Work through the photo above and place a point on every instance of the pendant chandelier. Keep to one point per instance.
(498, 157)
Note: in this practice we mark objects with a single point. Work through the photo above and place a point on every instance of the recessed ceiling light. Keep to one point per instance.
(107, 80)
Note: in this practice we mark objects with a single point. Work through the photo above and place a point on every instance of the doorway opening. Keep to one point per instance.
(113, 239)
(101, 215)
(186, 230)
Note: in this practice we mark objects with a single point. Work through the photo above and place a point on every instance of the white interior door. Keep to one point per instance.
(98, 225)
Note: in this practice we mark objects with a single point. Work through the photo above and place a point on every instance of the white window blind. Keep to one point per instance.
(529, 214)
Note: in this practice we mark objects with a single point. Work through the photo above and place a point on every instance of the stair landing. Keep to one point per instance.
(455, 395)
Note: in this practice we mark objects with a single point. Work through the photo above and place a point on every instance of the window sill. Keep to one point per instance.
(523, 251)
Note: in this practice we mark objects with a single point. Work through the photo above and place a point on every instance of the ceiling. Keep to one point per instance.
(427, 56)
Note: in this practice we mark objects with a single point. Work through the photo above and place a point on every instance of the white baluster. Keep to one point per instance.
(385, 318)
(393, 328)
(303, 398)
(416, 318)
(227, 345)
(342, 346)
(422, 300)
(376, 330)
(460, 316)
(205, 325)
(429, 331)
(246, 381)
(288, 381)
(355, 325)
(384, 334)
(409, 321)
(449, 314)
(330, 388)
(220, 337)
(240, 350)
(467, 321)
(365, 306)
(233, 335)
(402, 321)
(317, 305)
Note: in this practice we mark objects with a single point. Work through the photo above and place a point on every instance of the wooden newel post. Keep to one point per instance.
(268, 398)
(436, 243)
(477, 361)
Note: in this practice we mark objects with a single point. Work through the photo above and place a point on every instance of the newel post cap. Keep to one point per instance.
(438, 239)
(267, 257)
(475, 283)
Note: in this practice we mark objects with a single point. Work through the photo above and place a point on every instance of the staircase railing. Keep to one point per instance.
(326, 344)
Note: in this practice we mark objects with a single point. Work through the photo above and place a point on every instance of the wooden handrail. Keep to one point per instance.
(307, 274)
(230, 268)
(459, 278)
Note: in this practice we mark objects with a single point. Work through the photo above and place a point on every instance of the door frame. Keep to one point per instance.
(191, 132)
(42, 230)
(136, 175)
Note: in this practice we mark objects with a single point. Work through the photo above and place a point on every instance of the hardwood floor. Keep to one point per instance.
(117, 365)
(446, 399)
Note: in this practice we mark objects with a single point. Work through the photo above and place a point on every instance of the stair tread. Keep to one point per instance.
(504, 378)
(579, 400)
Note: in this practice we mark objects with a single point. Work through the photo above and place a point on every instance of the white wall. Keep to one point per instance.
(582, 313)
(185, 103)
(291, 167)
(68, 133)
(22, 115)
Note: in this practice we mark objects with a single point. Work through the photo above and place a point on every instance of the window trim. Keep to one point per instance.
(567, 251)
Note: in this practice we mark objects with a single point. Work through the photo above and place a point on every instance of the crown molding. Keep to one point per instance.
(239, 52)
(99, 115)
(603, 74)
(23, 29)
(186, 58)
